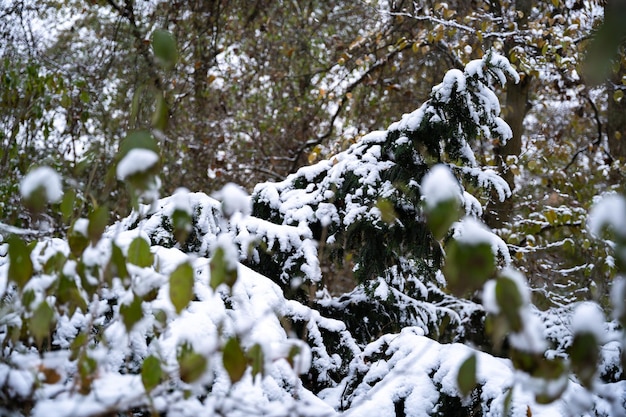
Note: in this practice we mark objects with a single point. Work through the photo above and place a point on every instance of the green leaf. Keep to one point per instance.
(54, 264)
(28, 297)
(98, 220)
(467, 266)
(181, 222)
(256, 359)
(84, 96)
(151, 372)
(442, 216)
(466, 378)
(87, 369)
(67, 204)
(131, 313)
(20, 264)
(234, 360)
(181, 286)
(139, 253)
(220, 271)
(293, 352)
(68, 294)
(138, 139)
(77, 242)
(191, 364)
(584, 356)
(387, 211)
(161, 115)
(41, 322)
(164, 47)
(117, 264)
(510, 301)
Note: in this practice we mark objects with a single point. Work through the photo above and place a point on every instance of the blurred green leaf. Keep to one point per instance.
(467, 266)
(604, 46)
(68, 294)
(151, 372)
(191, 364)
(67, 204)
(77, 242)
(160, 118)
(510, 301)
(55, 263)
(181, 286)
(41, 322)
(220, 271)
(256, 359)
(387, 211)
(466, 378)
(98, 220)
(139, 253)
(117, 264)
(138, 139)
(181, 222)
(584, 356)
(164, 47)
(20, 264)
(234, 360)
(87, 369)
(442, 216)
(131, 313)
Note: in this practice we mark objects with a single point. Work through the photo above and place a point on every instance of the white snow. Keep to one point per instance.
(234, 200)
(439, 185)
(137, 160)
(610, 212)
(42, 178)
(588, 318)
(471, 231)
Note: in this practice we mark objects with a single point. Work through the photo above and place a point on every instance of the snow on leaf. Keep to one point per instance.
(42, 180)
(136, 161)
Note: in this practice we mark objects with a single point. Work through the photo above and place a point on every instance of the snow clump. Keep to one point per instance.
(136, 161)
(234, 200)
(42, 178)
(440, 185)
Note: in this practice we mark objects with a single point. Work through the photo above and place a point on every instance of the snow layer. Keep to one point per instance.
(440, 185)
(137, 160)
(42, 178)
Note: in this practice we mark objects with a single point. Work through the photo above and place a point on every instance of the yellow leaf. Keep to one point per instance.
(551, 216)
(618, 95)
(448, 13)
(555, 3)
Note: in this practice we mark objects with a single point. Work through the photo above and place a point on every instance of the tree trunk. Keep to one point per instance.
(499, 212)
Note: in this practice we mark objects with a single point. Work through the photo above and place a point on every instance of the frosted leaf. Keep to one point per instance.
(588, 318)
(42, 178)
(609, 212)
(531, 338)
(231, 253)
(137, 160)
(234, 200)
(618, 297)
(489, 297)
(80, 226)
(440, 185)
(181, 200)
